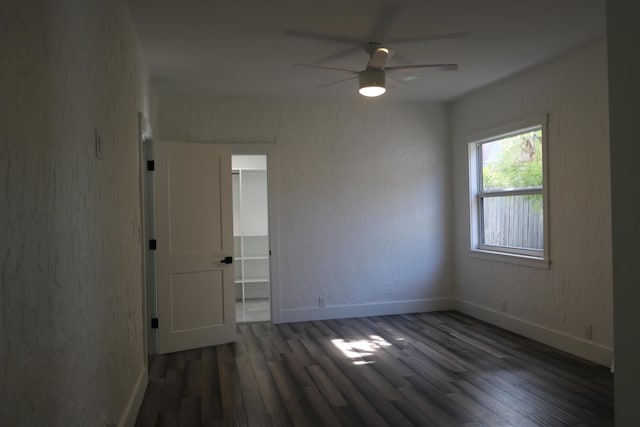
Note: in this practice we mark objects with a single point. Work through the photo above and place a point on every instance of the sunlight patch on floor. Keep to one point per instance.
(361, 348)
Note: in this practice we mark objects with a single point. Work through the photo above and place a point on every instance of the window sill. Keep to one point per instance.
(508, 258)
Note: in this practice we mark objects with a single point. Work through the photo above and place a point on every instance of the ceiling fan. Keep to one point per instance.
(372, 78)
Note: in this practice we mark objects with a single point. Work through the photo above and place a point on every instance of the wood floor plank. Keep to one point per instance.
(384, 407)
(148, 414)
(556, 363)
(428, 410)
(286, 331)
(421, 369)
(190, 412)
(192, 379)
(172, 390)
(289, 391)
(229, 384)
(321, 410)
(394, 370)
(279, 340)
(158, 366)
(430, 348)
(169, 419)
(310, 345)
(367, 412)
(349, 417)
(493, 404)
(375, 379)
(297, 369)
(440, 404)
(519, 388)
(302, 354)
(518, 403)
(324, 329)
(270, 396)
(246, 377)
(326, 387)
(488, 417)
(210, 398)
(253, 407)
(429, 370)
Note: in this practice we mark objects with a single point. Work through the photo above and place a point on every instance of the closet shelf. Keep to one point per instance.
(250, 236)
(252, 258)
(255, 280)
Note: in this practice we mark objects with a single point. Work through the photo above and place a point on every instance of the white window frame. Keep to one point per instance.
(528, 257)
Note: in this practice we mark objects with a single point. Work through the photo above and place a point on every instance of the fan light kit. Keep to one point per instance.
(372, 79)
(372, 83)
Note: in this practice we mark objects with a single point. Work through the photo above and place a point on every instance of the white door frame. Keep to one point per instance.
(144, 135)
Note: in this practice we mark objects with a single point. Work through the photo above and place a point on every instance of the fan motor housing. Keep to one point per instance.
(371, 77)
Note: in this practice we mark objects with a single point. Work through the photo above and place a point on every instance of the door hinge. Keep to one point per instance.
(151, 165)
(152, 244)
(154, 323)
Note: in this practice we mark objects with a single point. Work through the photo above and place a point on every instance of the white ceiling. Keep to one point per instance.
(239, 47)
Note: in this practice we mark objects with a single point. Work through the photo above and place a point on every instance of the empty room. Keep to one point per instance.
(318, 213)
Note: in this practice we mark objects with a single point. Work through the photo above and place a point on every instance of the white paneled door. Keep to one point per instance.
(194, 235)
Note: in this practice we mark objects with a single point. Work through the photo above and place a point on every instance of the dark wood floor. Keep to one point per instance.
(432, 369)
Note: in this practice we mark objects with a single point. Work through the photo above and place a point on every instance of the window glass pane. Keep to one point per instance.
(512, 162)
(513, 221)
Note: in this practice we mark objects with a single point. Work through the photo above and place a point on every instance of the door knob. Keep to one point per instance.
(227, 260)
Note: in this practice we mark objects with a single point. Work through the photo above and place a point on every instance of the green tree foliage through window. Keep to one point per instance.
(513, 162)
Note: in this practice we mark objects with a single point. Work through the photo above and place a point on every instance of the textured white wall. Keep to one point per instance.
(363, 192)
(71, 347)
(577, 289)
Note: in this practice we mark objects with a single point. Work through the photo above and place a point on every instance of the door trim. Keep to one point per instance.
(144, 134)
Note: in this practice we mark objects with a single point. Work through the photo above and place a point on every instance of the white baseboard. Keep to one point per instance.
(365, 310)
(130, 413)
(580, 347)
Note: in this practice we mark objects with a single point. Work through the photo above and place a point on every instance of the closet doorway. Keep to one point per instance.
(251, 238)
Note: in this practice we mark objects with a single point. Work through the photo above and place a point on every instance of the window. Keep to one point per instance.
(508, 198)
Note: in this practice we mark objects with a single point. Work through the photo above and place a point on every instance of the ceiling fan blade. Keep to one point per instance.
(431, 37)
(338, 55)
(379, 58)
(385, 19)
(336, 82)
(441, 67)
(395, 79)
(322, 67)
(399, 57)
(323, 36)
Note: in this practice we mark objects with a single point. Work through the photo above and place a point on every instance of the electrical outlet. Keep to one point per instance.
(503, 306)
(322, 301)
(588, 331)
